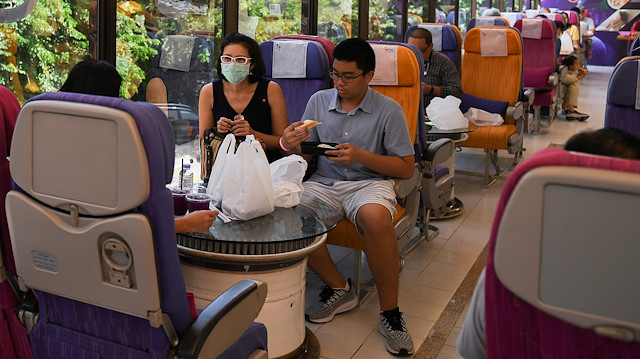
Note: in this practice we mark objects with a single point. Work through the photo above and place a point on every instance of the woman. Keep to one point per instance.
(571, 79)
(242, 91)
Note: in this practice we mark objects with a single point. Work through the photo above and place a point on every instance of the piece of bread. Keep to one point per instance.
(308, 124)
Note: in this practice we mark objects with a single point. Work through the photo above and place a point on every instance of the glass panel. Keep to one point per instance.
(263, 20)
(40, 42)
(464, 15)
(166, 53)
(385, 21)
(337, 19)
(417, 12)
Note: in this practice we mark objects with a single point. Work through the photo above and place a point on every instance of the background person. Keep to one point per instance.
(374, 147)
(97, 77)
(441, 78)
(241, 90)
(571, 79)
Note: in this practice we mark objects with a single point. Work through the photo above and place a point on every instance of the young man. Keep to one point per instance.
(374, 147)
(441, 78)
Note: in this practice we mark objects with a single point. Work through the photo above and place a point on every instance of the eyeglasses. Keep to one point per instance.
(346, 79)
(225, 59)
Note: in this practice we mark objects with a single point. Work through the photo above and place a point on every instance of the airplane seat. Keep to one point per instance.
(400, 80)
(326, 44)
(14, 342)
(539, 61)
(562, 282)
(447, 39)
(92, 230)
(623, 107)
(512, 17)
(493, 80)
(184, 63)
(300, 67)
(487, 21)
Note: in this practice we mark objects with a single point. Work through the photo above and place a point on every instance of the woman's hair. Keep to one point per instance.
(93, 77)
(259, 69)
(606, 141)
(569, 60)
(559, 25)
(357, 50)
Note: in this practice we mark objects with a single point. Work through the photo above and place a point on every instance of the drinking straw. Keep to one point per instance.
(181, 173)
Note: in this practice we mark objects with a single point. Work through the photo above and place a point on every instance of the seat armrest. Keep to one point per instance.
(516, 111)
(223, 321)
(439, 151)
(528, 95)
(403, 187)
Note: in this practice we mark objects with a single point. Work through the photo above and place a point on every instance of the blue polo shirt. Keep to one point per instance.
(377, 125)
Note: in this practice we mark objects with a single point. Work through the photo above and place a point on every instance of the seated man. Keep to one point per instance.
(441, 78)
(608, 141)
(374, 147)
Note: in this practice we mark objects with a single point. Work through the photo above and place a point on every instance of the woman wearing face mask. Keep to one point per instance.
(241, 101)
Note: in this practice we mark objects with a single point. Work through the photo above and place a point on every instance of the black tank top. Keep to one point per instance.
(257, 112)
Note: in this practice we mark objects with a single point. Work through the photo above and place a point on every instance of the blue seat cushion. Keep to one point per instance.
(499, 107)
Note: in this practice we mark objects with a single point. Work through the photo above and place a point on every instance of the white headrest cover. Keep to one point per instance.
(92, 156)
(493, 42)
(289, 59)
(436, 34)
(485, 21)
(532, 28)
(386, 65)
(176, 52)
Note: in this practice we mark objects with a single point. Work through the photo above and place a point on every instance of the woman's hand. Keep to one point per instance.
(240, 127)
(197, 221)
(224, 125)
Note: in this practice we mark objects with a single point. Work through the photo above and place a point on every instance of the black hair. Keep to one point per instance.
(420, 33)
(559, 25)
(576, 9)
(606, 141)
(259, 69)
(93, 77)
(357, 50)
(569, 60)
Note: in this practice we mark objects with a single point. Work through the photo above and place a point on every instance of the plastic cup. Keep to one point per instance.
(179, 201)
(198, 201)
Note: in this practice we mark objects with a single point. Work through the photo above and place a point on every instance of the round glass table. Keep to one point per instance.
(272, 248)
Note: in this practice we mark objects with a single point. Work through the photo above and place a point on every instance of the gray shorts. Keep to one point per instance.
(348, 196)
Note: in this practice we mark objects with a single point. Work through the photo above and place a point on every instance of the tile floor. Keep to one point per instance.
(434, 270)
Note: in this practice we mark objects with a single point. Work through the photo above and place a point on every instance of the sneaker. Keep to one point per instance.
(332, 302)
(394, 330)
(575, 115)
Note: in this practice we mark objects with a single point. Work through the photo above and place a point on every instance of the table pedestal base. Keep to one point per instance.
(454, 209)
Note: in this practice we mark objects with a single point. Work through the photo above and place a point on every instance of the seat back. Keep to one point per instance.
(487, 21)
(300, 67)
(634, 50)
(92, 172)
(488, 63)
(13, 336)
(551, 16)
(326, 44)
(623, 107)
(539, 51)
(184, 63)
(512, 17)
(333, 30)
(570, 269)
(446, 39)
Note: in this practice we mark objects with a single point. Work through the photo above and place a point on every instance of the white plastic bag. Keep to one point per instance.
(243, 181)
(286, 175)
(566, 44)
(445, 113)
(483, 118)
(217, 179)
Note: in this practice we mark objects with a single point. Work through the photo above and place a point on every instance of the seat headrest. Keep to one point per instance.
(537, 28)
(448, 40)
(395, 65)
(623, 85)
(472, 42)
(84, 150)
(313, 51)
(489, 21)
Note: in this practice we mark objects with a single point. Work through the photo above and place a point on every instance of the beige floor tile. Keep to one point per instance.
(464, 248)
(428, 294)
(455, 258)
(335, 347)
(347, 329)
(453, 337)
(369, 353)
(447, 269)
(416, 263)
(448, 352)
(439, 281)
(420, 309)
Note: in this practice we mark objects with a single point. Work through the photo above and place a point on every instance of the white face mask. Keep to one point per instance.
(235, 73)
